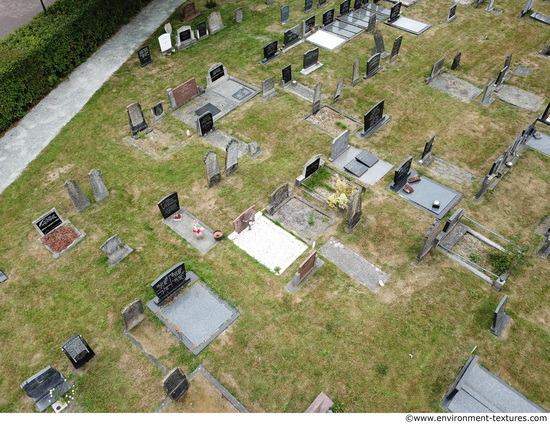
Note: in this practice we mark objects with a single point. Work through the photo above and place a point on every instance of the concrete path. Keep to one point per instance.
(22, 144)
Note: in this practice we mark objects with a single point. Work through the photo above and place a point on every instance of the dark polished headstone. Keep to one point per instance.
(287, 74)
(308, 5)
(328, 17)
(312, 167)
(136, 118)
(311, 57)
(48, 222)
(345, 7)
(285, 14)
(395, 12)
(456, 61)
(169, 205)
(270, 52)
(401, 174)
(291, 36)
(395, 49)
(308, 25)
(144, 55)
(373, 66)
(500, 318)
(205, 123)
(77, 350)
(202, 30)
(45, 387)
(427, 157)
(175, 384)
(373, 120)
(357, 4)
(451, 16)
(170, 283)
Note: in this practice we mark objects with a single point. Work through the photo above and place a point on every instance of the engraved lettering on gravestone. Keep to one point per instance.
(186, 91)
(80, 201)
(241, 94)
(355, 76)
(158, 111)
(344, 7)
(308, 5)
(373, 65)
(239, 15)
(372, 23)
(77, 350)
(189, 12)
(98, 185)
(144, 55)
(452, 13)
(291, 36)
(270, 50)
(526, 8)
(394, 12)
(395, 48)
(285, 14)
(367, 159)
(201, 29)
(358, 3)
(373, 116)
(217, 73)
(338, 91)
(244, 219)
(170, 282)
(48, 222)
(169, 205)
(307, 265)
(456, 61)
(317, 98)
(311, 57)
(287, 74)
(308, 25)
(45, 387)
(328, 17)
(206, 123)
(213, 174)
(184, 35)
(312, 167)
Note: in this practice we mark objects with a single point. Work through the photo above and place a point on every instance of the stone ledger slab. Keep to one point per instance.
(456, 87)
(372, 175)
(185, 229)
(409, 25)
(520, 98)
(326, 40)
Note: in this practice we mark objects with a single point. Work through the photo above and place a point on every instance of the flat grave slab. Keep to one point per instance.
(456, 87)
(236, 90)
(522, 72)
(406, 3)
(448, 171)
(541, 144)
(156, 143)
(219, 139)
(426, 191)
(269, 244)
(520, 98)
(343, 29)
(184, 228)
(356, 168)
(541, 18)
(196, 316)
(209, 107)
(355, 20)
(325, 120)
(379, 10)
(353, 264)
(409, 25)
(302, 91)
(294, 215)
(326, 40)
(374, 174)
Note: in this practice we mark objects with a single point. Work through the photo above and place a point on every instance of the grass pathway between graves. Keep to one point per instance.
(333, 335)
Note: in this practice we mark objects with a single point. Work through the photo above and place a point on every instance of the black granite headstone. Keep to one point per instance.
(291, 36)
(396, 47)
(311, 57)
(144, 55)
(309, 24)
(175, 384)
(452, 13)
(373, 66)
(169, 205)
(358, 4)
(308, 5)
(201, 28)
(373, 116)
(49, 222)
(45, 387)
(501, 76)
(206, 123)
(312, 167)
(270, 50)
(170, 282)
(217, 73)
(77, 350)
(427, 153)
(185, 35)
(285, 14)
(158, 110)
(456, 61)
(344, 7)
(394, 12)
(328, 17)
(402, 172)
(287, 74)
(545, 117)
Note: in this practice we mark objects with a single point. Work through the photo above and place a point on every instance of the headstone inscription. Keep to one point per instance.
(372, 23)
(270, 52)
(77, 350)
(287, 75)
(205, 123)
(308, 5)
(215, 22)
(456, 61)
(395, 49)
(144, 55)
(189, 12)
(158, 112)
(165, 43)
(291, 36)
(80, 201)
(311, 166)
(344, 7)
(401, 174)
(328, 17)
(437, 69)
(244, 219)
(239, 15)
(48, 222)
(500, 318)
(170, 283)
(232, 154)
(175, 384)
(213, 174)
(115, 250)
(268, 88)
(451, 16)
(358, 4)
(321, 3)
(355, 79)
(373, 120)
(45, 387)
(339, 145)
(277, 197)
(98, 185)
(545, 117)
(526, 8)
(379, 43)
(427, 157)
(136, 118)
(317, 98)
(311, 57)
(338, 91)
(182, 93)
(169, 205)
(354, 211)
(285, 14)
(133, 314)
(202, 30)
(373, 66)
(307, 26)
(216, 75)
(395, 12)
(185, 38)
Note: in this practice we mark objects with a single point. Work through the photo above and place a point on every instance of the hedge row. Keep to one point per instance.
(44, 51)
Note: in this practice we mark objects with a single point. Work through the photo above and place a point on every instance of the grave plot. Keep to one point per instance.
(406, 24)
(332, 121)
(536, 138)
(58, 235)
(455, 87)
(354, 264)
(424, 193)
(325, 40)
(381, 12)
(361, 17)
(476, 390)
(266, 242)
(297, 215)
(157, 143)
(343, 29)
(519, 98)
(190, 310)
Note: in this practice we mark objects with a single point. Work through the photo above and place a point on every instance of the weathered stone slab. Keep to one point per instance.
(213, 174)
(232, 156)
(520, 98)
(115, 250)
(98, 185)
(80, 201)
(456, 87)
(175, 384)
(133, 314)
(215, 22)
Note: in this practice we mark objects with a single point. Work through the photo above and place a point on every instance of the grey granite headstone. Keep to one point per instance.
(239, 15)
(133, 314)
(98, 185)
(115, 250)
(45, 387)
(137, 120)
(451, 16)
(437, 70)
(158, 112)
(285, 14)
(339, 145)
(372, 23)
(232, 156)
(546, 51)
(213, 175)
(338, 91)
(429, 241)
(2, 277)
(395, 49)
(317, 98)
(175, 384)
(500, 317)
(268, 88)
(355, 79)
(254, 150)
(185, 37)
(527, 7)
(354, 211)
(80, 201)
(379, 44)
(308, 5)
(215, 22)
(456, 61)
(277, 197)
(373, 66)
(427, 157)
(486, 100)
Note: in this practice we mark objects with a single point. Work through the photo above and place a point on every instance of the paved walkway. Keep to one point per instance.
(22, 144)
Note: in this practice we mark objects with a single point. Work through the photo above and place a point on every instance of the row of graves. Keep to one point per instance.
(527, 10)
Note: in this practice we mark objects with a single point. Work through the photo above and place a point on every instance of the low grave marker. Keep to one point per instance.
(546, 51)
(77, 350)
(486, 100)
(308, 5)
(169, 284)
(321, 3)
(217, 74)
(500, 79)
(437, 70)
(213, 174)
(205, 123)
(527, 8)
(232, 154)
(402, 173)
(239, 15)
(500, 318)
(395, 12)
(165, 43)
(115, 250)
(372, 23)
(311, 61)
(175, 384)
(169, 205)
(339, 145)
(280, 194)
(158, 112)
(328, 17)
(268, 88)
(133, 314)
(270, 52)
(144, 55)
(305, 270)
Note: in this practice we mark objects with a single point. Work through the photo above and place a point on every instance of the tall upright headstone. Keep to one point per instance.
(345, 7)
(456, 61)
(339, 145)
(372, 23)
(311, 61)
(373, 120)
(291, 37)
(338, 91)
(215, 22)
(270, 52)
(437, 69)
(486, 100)
(317, 98)
(285, 14)
(328, 17)
(373, 66)
(395, 49)
(287, 75)
(395, 12)
(354, 211)
(202, 30)
(500, 318)
(429, 241)
(98, 185)
(427, 157)
(80, 201)
(268, 88)
(239, 15)
(213, 174)
(355, 78)
(451, 16)
(232, 156)
(308, 26)
(379, 44)
(137, 120)
(189, 11)
(168, 28)
(308, 6)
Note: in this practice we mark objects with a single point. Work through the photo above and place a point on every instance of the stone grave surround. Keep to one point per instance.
(49, 222)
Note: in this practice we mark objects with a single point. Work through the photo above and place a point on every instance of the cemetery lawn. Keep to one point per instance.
(333, 335)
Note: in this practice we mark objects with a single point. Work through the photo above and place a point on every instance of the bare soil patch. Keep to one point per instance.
(327, 119)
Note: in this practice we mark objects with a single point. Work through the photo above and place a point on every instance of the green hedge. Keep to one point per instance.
(44, 51)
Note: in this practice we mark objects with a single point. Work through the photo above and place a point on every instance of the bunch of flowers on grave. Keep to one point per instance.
(197, 229)
(339, 199)
(60, 238)
(177, 216)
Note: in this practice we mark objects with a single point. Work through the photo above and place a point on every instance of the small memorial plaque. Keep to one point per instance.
(328, 17)
(169, 205)
(170, 283)
(48, 222)
(77, 350)
(367, 159)
(144, 55)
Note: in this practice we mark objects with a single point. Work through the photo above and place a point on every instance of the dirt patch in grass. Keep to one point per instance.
(54, 175)
(332, 122)
(156, 341)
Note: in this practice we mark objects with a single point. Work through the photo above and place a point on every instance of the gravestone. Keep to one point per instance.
(486, 100)
(136, 118)
(317, 98)
(158, 112)
(133, 314)
(2, 277)
(189, 12)
(308, 5)
(395, 49)
(182, 93)
(328, 17)
(80, 201)
(429, 241)
(355, 78)
(500, 79)
(213, 174)
(285, 14)
(232, 154)
(270, 52)
(98, 185)
(77, 350)
(379, 44)
(268, 88)
(48, 222)
(427, 157)
(358, 4)
(268, 1)
(338, 91)
(372, 23)
(185, 37)
(394, 12)
(456, 61)
(217, 74)
(202, 30)
(165, 43)
(402, 172)
(526, 8)
(115, 250)
(437, 69)
(175, 384)
(311, 57)
(291, 36)
(144, 55)
(277, 197)
(168, 28)
(311, 166)
(205, 123)
(344, 7)
(373, 120)
(239, 15)
(215, 23)
(507, 64)
(244, 219)
(45, 387)
(254, 150)
(321, 3)
(339, 145)
(546, 51)
(545, 117)
(306, 268)
(169, 205)
(451, 16)
(353, 211)
(307, 26)
(170, 283)
(500, 318)
(373, 66)
(287, 75)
